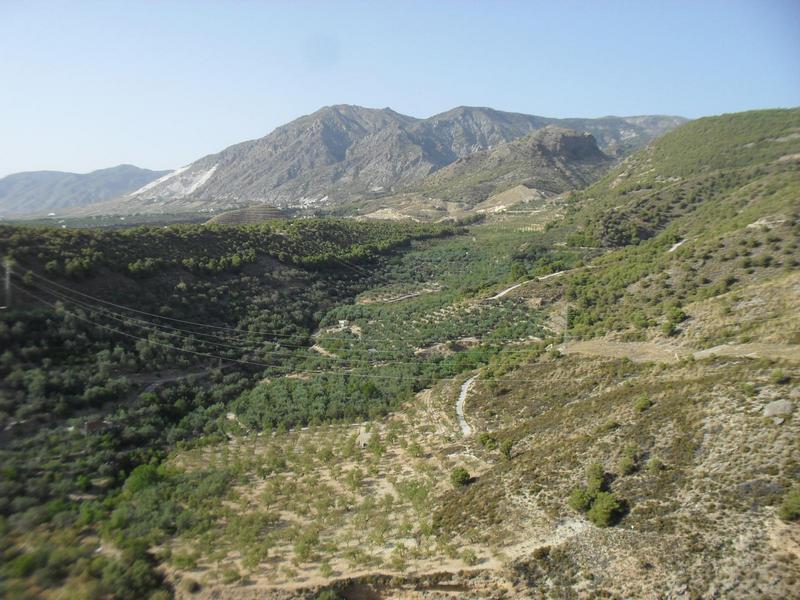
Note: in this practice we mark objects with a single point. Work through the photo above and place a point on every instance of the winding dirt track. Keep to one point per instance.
(462, 396)
(502, 293)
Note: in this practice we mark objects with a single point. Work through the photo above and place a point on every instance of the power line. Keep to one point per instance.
(393, 354)
(194, 352)
(187, 322)
(371, 352)
(261, 364)
(124, 319)
(8, 264)
(240, 332)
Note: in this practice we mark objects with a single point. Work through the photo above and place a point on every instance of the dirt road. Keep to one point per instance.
(462, 396)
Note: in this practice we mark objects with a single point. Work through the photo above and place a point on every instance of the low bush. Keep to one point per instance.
(789, 509)
(605, 509)
(459, 477)
(230, 575)
(580, 500)
(779, 377)
(469, 557)
(629, 461)
(487, 440)
(602, 507)
(506, 448)
(642, 404)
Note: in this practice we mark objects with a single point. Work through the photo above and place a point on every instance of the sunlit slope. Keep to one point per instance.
(712, 169)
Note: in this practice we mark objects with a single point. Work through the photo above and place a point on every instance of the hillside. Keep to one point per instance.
(531, 169)
(40, 192)
(552, 160)
(348, 152)
(597, 402)
(708, 167)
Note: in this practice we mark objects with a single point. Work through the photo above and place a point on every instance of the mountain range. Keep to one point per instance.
(345, 153)
(44, 191)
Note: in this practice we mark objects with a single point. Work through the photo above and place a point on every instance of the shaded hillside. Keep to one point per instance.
(346, 152)
(39, 192)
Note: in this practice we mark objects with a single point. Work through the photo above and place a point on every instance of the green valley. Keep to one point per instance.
(269, 409)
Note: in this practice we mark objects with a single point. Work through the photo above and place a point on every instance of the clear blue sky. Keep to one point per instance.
(85, 85)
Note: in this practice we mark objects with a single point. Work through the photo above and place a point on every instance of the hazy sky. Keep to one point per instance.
(86, 85)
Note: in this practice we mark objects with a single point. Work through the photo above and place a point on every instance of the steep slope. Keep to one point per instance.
(42, 191)
(552, 160)
(344, 152)
(619, 136)
(536, 167)
(711, 167)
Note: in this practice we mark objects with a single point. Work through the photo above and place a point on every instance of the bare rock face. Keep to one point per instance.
(778, 408)
(347, 152)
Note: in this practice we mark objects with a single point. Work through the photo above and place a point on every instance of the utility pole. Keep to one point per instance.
(7, 263)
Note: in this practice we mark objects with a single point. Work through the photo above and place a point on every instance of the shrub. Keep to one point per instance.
(506, 447)
(627, 465)
(325, 569)
(748, 389)
(328, 595)
(469, 557)
(25, 564)
(415, 450)
(779, 377)
(140, 478)
(629, 462)
(230, 575)
(608, 426)
(605, 509)
(541, 553)
(595, 479)
(580, 500)
(601, 506)
(642, 404)
(789, 509)
(487, 440)
(459, 477)
(185, 561)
